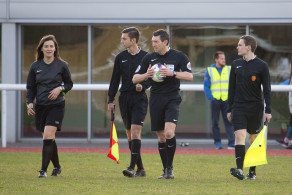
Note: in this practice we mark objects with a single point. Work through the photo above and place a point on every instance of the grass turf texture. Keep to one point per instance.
(97, 174)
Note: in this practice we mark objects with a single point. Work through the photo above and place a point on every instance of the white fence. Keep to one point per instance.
(93, 87)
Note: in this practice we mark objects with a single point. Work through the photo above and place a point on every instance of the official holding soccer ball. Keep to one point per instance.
(164, 96)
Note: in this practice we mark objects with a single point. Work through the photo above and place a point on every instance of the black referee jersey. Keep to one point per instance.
(43, 78)
(125, 66)
(246, 78)
(175, 60)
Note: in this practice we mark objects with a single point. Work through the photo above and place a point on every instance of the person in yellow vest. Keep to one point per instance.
(216, 83)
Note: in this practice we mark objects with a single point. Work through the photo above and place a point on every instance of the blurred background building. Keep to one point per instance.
(88, 32)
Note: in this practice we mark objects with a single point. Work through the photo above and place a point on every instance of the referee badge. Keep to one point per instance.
(253, 78)
(138, 68)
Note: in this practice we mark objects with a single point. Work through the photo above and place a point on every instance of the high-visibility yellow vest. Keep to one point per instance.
(219, 83)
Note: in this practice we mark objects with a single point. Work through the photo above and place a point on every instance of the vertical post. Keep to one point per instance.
(4, 118)
(168, 29)
(89, 93)
(207, 117)
(247, 30)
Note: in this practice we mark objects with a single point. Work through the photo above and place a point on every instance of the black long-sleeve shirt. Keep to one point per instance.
(175, 60)
(246, 78)
(43, 78)
(125, 66)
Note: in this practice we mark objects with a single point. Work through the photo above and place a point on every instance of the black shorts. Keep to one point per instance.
(163, 108)
(247, 116)
(133, 108)
(49, 115)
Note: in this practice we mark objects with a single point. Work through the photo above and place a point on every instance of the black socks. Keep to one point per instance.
(135, 152)
(162, 152)
(47, 153)
(170, 150)
(166, 151)
(55, 157)
(252, 169)
(139, 160)
(239, 155)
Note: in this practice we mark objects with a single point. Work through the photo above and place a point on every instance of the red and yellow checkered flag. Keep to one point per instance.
(114, 145)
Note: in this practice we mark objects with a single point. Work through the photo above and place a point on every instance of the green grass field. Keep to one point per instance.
(97, 174)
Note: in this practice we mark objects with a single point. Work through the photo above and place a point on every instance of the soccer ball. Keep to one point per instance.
(157, 77)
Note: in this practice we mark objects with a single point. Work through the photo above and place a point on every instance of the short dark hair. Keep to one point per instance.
(217, 53)
(164, 35)
(132, 32)
(250, 40)
(40, 54)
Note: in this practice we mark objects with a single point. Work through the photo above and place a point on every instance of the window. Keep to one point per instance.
(275, 48)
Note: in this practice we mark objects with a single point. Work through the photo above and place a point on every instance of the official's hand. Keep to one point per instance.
(150, 72)
(54, 93)
(267, 117)
(165, 71)
(30, 110)
(111, 107)
(139, 87)
(229, 116)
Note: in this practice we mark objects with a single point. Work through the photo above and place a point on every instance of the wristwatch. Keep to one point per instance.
(174, 73)
(62, 88)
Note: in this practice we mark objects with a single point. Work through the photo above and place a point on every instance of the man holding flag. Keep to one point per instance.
(133, 101)
(245, 106)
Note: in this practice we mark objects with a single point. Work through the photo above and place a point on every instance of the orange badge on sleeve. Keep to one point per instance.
(253, 78)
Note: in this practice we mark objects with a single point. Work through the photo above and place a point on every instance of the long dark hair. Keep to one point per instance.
(40, 54)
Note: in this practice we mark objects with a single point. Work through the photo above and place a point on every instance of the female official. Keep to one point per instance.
(49, 79)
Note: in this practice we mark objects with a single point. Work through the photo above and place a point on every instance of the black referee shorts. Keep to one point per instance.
(247, 116)
(163, 108)
(133, 108)
(49, 115)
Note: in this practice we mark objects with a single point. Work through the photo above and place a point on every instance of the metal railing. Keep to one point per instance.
(93, 87)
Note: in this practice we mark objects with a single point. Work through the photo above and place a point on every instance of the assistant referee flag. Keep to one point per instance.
(256, 153)
(114, 145)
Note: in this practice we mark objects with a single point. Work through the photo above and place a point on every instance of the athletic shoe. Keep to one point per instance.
(140, 173)
(42, 174)
(163, 176)
(238, 173)
(251, 175)
(129, 172)
(56, 171)
(231, 147)
(282, 142)
(169, 173)
(218, 145)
